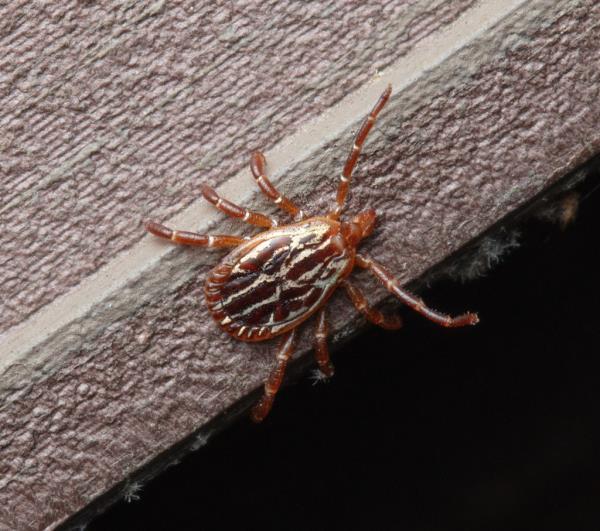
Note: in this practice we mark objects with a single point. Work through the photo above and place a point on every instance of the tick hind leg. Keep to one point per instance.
(258, 166)
(321, 350)
(231, 209)
(390, 322)
(273, 383)
(192, 238)
(411, 300)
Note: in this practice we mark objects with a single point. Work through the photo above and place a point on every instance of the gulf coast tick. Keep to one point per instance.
(271, 283)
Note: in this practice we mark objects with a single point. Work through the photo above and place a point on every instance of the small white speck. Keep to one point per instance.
(318, 377)
(131, 492)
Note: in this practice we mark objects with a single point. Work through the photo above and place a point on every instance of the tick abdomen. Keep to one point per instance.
(278, 279)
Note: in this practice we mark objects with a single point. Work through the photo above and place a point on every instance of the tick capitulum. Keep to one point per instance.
(268, 285)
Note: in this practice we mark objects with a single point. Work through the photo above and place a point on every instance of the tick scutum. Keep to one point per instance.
(278, 279)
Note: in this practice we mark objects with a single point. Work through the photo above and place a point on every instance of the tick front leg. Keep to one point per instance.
(391, 322)
(192, 238)
(359, 140)
(258, 166)
(321, 350)
(411, 300)
(273, 383)
(231, 209)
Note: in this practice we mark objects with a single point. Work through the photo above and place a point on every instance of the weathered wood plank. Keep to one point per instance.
(489, 109)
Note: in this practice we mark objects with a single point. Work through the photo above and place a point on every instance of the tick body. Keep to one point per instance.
(270, 284)
(278, 279)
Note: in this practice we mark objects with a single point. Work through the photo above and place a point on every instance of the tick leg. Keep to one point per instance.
(235, 211)
(411, 300)
(192, 238)
(359, 140)
(258, 166)
(391, 322)
(286, 348)
(321, 350)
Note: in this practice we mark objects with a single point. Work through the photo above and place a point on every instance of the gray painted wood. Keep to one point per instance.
(112, 114)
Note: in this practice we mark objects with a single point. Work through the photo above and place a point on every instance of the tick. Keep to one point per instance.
(271, 283)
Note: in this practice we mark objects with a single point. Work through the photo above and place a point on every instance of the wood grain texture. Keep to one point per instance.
(147, 102)
(112, 111)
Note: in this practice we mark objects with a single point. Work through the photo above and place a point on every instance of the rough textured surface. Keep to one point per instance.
(111, 111)
(458, 149)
